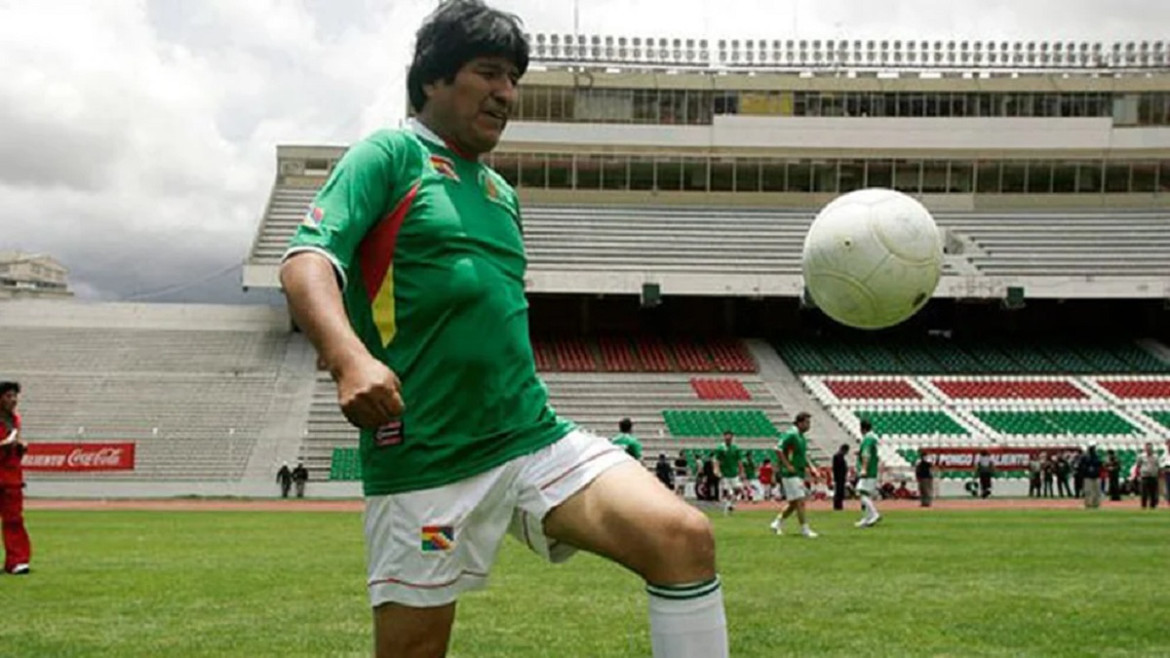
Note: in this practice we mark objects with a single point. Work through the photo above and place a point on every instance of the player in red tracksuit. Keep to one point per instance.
(17, 550)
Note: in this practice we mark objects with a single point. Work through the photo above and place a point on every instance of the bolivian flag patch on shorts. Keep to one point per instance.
(437, 538)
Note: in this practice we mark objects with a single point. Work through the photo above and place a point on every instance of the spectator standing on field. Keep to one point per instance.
(17, 548)
(300, 476)
(922, 472)
(840, 475)
(1090, 472)
(1147, 472)
(284, 478)
(1113, 470)
(1062, 471)
(664, 471)
(984, 471)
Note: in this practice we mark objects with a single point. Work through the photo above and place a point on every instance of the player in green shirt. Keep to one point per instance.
(729, 458)
(792, 457)
(867, 475)
(407, 275)
(627, 440)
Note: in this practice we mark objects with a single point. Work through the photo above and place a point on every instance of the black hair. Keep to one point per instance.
(456, 33)
(844, 448)
(804, 415)
(6, 387)
(865, 425)
(626, 425)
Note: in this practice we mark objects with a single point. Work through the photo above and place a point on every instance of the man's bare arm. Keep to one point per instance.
(367, 390)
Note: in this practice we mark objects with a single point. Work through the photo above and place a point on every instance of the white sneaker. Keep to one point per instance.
(864, 523)
(20, 569)
(775, 526)
(873, 520)
(809, 533)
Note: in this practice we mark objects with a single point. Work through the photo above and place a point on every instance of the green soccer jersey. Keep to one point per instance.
(793, 445)
(749, 469)
(428, 248)
(728, 457)
(868, 451)
(630, 444)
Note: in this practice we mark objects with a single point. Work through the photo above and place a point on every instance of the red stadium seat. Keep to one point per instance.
(880, 389)
(1009, 389)
(1138, 388)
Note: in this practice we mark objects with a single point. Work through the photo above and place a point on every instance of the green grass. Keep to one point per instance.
(1027, 583)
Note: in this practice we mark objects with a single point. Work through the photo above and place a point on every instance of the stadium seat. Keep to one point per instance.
(1137, 388)
(971, 389)
(872, 389)
(912, 422)
(1057, 422)
(712, 423)
(720, 389)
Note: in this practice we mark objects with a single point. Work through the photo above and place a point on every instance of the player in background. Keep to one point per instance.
(407, 275)
(751, 482)
(766, 478)
(17, 549)
(792, 456)
(867, 475)
(627, 440)
(729, 459)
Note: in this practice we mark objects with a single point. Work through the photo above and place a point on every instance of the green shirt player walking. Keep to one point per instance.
(867, 475)
(627, 440)
(792, 457)
(729, 457)
(407, 275)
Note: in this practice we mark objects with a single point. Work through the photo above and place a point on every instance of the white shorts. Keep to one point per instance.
(425, 547)
(867, 486)
(794, 489)
(729, 485)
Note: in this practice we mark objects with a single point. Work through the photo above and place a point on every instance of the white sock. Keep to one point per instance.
(687, 621)
(804, 527)
(867, 505)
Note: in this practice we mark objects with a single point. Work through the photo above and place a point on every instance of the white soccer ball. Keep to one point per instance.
(872, 258)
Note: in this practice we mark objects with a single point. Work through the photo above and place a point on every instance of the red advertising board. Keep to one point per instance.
(79, 457)
(1004, 458)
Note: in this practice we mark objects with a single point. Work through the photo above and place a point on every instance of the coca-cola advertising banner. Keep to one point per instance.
(79, 457)
(1005, 459)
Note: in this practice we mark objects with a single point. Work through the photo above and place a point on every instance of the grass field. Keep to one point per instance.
(956, 583)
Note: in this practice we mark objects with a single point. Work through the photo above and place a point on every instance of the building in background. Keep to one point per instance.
(28, 275)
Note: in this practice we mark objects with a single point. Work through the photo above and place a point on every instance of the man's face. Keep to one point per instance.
(727, 439)
(803, 425)
(472, 110)
(8, 401)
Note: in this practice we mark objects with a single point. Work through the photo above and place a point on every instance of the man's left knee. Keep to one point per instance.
(684, 548)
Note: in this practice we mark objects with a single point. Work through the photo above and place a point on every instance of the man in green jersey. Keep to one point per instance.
(407, 275)
(729, 459)
(626, 440)
(792, 457)
(867, 475)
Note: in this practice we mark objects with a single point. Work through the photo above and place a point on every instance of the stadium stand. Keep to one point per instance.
(764, 241)
(667, 413)
(194, 401)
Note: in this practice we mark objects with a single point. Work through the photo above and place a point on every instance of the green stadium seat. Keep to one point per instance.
(1062, 422)
(751, 423)
(345, 464)
(913, 422)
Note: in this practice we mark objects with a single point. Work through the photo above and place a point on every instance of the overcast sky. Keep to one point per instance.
(138, 137)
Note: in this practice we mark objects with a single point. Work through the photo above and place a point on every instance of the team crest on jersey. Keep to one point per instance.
(444, 166)
(491, 189)
(314, 216)
(437, 538)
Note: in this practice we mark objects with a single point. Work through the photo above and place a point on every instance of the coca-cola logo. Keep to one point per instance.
(101, 457)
